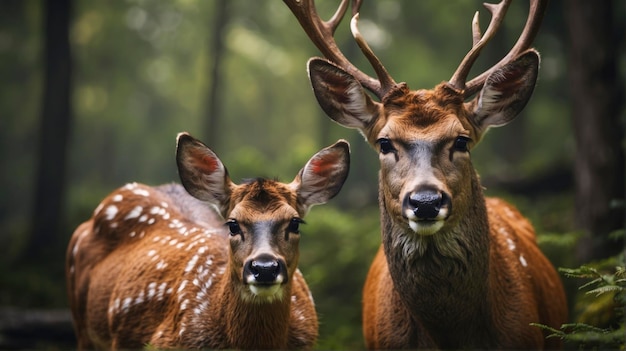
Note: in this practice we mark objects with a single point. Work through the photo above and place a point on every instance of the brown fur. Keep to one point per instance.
(189, 305)
(156, 266)
(478, 280)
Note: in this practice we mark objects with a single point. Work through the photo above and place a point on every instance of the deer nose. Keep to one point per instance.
(425, 204)
(264, 269)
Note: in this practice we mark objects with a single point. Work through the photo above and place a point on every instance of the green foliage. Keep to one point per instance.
(141, 71)
(337, 247)
(600, 324)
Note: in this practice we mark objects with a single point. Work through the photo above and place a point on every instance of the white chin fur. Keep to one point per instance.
(425, 227)
(266, 292)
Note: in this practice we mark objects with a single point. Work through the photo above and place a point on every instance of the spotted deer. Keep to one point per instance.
(455, 269)
(156, 266)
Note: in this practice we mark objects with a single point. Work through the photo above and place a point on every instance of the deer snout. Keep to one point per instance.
(265, 270)
(426, 209)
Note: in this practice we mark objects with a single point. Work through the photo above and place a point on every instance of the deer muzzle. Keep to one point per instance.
(426, 210)
(265, 274)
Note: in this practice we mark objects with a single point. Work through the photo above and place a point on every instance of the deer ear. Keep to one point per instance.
(202, 173)
(506, 91)
(341, 96)
(323, 175)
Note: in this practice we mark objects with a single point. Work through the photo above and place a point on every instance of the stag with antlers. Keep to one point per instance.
(455, 269)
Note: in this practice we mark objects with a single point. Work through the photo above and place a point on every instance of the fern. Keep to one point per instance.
(607, 285)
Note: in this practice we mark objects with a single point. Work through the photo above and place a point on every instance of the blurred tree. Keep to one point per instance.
(142, 71)
(216, 55)
(54, 128)
(597, 96)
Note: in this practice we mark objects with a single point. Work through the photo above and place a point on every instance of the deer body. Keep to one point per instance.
(156, 266)
(455, 269)
(418, 304)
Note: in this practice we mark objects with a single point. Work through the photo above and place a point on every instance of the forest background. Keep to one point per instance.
(94, 92)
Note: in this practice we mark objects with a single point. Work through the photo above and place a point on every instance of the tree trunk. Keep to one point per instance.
(220, 20)
(54, 130)
(597, 96)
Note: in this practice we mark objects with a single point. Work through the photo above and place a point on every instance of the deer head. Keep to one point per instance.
(263, 216)
(423, 137)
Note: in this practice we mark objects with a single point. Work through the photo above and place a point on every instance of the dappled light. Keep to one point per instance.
(142, 71)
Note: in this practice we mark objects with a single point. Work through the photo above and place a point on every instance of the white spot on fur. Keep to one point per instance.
(151, 290)
(161, 265)
(197, 311)
(523, 261)
(116, 304)
(161, 292)
(151, 221)
(126, 304)
(143, 218)
(141, 192)
(110, 212)
(151, 253)
(134, 213)
(166, 239)
(130, 186)
(191, 263)
(182, 286)
(117, 198)
(511, 244)
(140, 298)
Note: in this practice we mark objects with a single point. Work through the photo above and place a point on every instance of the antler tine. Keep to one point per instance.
(321, 34)
(536, 12)
(386, 82)
(497, 15)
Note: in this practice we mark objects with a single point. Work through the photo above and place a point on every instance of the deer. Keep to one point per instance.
(455, 269)
(209, 264)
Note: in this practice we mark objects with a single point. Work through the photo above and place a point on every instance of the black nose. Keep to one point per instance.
(425, 204)
(264, 269)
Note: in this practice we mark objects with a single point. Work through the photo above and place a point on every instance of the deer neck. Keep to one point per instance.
(253, 324)
(443, 279)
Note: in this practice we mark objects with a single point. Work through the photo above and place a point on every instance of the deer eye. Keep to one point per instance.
(385, 145)
(294, 225)
(461, 144)
(233, 227)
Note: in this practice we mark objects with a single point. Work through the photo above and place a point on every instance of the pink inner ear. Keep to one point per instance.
(203, 162)
(324, 166)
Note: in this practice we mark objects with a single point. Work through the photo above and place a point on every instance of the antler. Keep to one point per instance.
(535, 16)
(321, 34)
